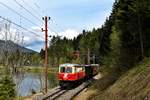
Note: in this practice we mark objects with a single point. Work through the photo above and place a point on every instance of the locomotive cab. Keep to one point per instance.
(70, 73)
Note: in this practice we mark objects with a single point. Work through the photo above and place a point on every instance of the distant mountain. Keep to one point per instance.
(10, 46)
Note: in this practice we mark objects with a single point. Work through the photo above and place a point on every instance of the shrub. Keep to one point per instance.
(7, 88)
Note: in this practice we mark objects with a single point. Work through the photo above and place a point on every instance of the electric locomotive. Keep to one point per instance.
(71, 74)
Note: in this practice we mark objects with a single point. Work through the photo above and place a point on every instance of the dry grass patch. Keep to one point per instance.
(133, 85)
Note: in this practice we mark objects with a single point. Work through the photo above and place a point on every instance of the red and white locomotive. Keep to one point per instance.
(70, 74)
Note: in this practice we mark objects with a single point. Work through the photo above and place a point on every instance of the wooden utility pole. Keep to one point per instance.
(46, 46)
(140, 30)
(88, 56)
(93, 58)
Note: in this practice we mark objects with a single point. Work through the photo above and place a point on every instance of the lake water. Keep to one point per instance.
(27, 82)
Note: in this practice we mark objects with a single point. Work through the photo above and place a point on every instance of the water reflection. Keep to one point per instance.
(27, 82)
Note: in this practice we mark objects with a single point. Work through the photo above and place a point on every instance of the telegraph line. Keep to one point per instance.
(53, 30)
(24, 16)
(27, 10)
(57, 25)
(31, 7)
(21, 27)
(60, 29)
(38, 7)
(18, 13)
(21, 15)
(33, 14)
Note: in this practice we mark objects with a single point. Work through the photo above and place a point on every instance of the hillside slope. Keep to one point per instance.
(133, 85)
(11, 46)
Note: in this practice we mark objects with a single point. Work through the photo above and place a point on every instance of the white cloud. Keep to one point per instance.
(36, 28)
(69, 33)
(71, 29)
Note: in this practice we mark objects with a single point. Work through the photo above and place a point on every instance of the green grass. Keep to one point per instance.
(133, 85)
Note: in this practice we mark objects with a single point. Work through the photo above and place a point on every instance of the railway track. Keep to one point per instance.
(54, 94)
(59, 94)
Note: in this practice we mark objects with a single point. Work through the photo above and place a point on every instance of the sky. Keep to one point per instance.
(68, 18)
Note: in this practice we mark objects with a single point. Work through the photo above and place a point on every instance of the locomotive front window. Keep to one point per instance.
(62, 69)
(68, 70)
(65, 69)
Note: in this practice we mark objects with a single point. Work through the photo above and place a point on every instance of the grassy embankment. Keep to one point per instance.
(132, 85)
